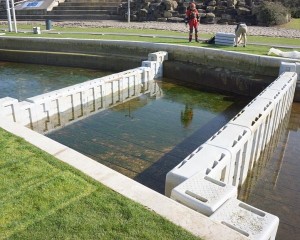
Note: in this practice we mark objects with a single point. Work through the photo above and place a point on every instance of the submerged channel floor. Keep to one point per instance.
(147, 136)
(23, 80)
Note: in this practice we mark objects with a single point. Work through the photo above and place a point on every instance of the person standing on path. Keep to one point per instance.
(192, 18)
(241, 34)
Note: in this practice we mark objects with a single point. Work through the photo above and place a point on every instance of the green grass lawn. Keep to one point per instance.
(156, 36)
(293, 24)
(43, 198)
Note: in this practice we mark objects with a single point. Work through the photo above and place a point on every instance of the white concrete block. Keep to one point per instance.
(235, 139)
(158, 56)
(203, 194)
(145, 77)
(156, 67)
(247, 220)
(9, 107)
(298, 71)
(291, 79)
(206, 159)
(255, 116)
(27, 116)
(276, 96)
(286, 83)
(287, 67)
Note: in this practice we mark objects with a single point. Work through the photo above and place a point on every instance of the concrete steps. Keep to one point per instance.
(82, 12)
(71, 4)
(81, 7)
(66, 17)
(87, 2)
(73, 10)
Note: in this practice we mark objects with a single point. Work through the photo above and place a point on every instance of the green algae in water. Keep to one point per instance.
(147, 136)
(21, 81)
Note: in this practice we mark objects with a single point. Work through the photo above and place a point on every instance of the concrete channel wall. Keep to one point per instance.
(245, 74)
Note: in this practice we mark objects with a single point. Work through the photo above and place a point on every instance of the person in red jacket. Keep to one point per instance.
(192, 18)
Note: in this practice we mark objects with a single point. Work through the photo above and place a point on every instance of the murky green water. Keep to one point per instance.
(146, 137)
(149, 135)
(21, 81)
(274, 183)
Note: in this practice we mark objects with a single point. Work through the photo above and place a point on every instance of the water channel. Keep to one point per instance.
(147, 136)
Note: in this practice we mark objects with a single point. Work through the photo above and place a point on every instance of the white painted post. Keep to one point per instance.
(14, 15)
(128, 11)
(8, 16)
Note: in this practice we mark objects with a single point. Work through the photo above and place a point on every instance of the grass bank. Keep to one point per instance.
(43, 198)
(293, 24)
(257, 44)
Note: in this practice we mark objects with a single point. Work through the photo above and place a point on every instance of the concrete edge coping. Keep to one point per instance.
(173, 48)
(192, 221)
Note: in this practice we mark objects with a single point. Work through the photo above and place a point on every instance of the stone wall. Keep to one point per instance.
(211, 11)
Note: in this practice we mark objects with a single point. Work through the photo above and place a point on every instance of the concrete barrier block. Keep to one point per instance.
(291, 79)
(247, 220)
(156, 67)
(154, 90)
(9, 107)
(203, 194)
(145, 74)
(202, 160)
(298, 71)
(287, 67)
(158, 56)
(235, 139)
(256, 117)
(34, 116)
(27, 116)
(77, 102)
(286, 83)
(64, 103)
(276, 96)
(149, 64)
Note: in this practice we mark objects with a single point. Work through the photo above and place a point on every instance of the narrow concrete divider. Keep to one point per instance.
(241, 142)
(47, 111)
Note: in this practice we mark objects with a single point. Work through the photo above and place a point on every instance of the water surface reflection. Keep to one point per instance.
(23, 80)
(147, 136)
(274, 183)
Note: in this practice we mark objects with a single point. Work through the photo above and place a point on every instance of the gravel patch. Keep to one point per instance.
(180, 27)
